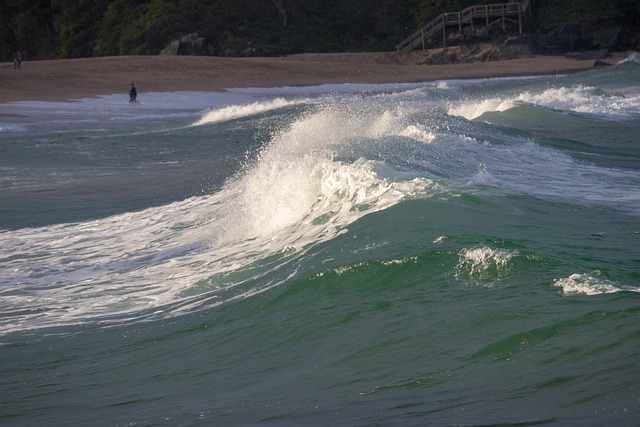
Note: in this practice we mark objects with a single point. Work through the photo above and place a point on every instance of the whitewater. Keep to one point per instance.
(458, 252)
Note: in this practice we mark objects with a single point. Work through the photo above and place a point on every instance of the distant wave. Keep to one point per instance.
(233, 112)
(577, 99)
(633, 57)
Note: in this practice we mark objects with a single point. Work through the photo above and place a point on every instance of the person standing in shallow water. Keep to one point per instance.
(133, 95)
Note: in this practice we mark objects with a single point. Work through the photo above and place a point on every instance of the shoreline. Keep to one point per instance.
(72, 79)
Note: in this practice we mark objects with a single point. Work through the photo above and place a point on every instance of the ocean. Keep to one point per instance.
(448, 253)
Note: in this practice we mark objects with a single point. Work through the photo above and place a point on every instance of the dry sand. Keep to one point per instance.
(69, 79)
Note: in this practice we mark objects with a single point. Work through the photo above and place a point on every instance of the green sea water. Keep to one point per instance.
(444, 253)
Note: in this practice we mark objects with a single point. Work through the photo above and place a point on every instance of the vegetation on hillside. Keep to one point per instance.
(553, 13)
(45, 29)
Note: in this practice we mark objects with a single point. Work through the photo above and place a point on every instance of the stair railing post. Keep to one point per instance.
(504, 22)
(519, 18)
(444, 31)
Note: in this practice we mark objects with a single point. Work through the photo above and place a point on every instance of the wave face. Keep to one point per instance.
(456, 252)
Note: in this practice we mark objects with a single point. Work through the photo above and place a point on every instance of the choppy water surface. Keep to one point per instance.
(446, 253)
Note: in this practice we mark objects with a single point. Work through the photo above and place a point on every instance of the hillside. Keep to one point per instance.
(85, 28)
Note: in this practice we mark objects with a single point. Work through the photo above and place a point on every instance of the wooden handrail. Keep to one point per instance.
(465, 16)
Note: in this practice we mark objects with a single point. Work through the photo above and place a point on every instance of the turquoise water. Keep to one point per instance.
(447, 253)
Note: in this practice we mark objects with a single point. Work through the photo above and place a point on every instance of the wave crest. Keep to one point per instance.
(590, 284)
(233, 112)
(576, 99)
(482, 263)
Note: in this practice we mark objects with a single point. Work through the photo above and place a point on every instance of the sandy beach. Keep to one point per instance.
(59, 80)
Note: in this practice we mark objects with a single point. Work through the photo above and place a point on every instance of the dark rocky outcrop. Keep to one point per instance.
(189, 44)
(479, 52)
(602, 64)
(581, 36)
(589, 54)
(193, 44)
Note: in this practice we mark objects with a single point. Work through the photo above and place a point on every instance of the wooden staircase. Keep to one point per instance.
(490, 13)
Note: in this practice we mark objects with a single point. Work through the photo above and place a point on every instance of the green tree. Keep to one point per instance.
(27, 26)
(75, 23)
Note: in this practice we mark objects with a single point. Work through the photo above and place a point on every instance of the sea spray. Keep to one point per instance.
(484, 264)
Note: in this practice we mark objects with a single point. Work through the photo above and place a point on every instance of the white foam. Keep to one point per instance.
(483, 262)
(418, 132)
(440, 239)
(578, 99)
(590, 284)
(232, 112)
(581, 99)
(329, 88)
(631, 57)
(297, 179)
(295, 195)
(472, 110)
(112, 113)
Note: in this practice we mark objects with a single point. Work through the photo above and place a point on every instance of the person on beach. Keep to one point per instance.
(17, 60)
(133, 95)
